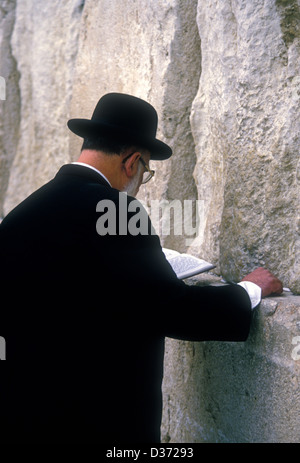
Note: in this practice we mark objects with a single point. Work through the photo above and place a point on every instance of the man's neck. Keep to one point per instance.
(93, 168)
(106, 164)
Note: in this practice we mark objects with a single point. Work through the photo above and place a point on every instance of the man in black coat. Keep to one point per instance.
(88, 301)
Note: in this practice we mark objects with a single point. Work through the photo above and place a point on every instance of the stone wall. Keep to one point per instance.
(10, 106)
(245, 123)
(221, 392)
(224, 77)
(44, 46)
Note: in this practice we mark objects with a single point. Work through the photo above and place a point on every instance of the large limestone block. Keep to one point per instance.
(245, 123)
(9, 97)
(44, 44)
(249, 392)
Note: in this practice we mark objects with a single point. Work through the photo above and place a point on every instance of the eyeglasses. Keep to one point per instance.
(148, 174)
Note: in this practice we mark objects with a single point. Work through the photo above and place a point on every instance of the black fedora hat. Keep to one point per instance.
(125, 117)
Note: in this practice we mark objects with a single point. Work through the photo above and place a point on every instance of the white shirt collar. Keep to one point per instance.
(93, 168)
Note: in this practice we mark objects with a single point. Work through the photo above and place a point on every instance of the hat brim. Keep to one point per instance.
(88, 128)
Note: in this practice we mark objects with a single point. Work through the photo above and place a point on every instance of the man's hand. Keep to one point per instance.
(268, 283)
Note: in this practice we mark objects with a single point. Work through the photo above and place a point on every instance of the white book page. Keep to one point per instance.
(185, 265)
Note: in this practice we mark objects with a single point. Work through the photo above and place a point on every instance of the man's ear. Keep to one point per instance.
(131, 164)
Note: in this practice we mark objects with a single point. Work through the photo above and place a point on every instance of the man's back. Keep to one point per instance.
(78, 360)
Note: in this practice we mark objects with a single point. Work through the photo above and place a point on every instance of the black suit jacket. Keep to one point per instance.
(85, 316)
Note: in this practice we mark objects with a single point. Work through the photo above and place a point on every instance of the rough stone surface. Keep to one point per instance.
(10, 104)
(224, 78)
(237, 392)
(44, 44)
(246, 126)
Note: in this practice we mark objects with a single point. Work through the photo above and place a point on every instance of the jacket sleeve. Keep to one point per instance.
(197, 313)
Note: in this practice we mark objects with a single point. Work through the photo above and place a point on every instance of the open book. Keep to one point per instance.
(185, 265)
